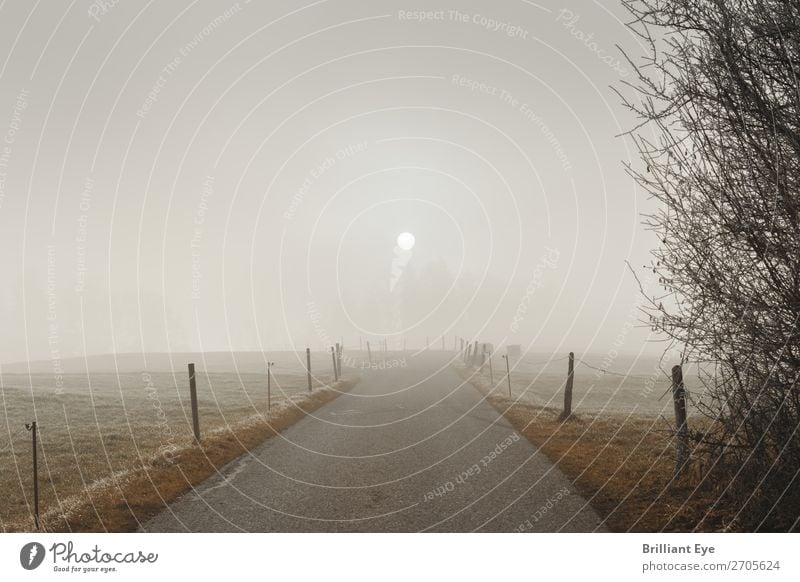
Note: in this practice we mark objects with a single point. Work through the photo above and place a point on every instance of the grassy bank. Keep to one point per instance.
(621, 464)
(81, 492)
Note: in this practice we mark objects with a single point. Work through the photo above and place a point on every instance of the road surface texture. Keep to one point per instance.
(410, 449)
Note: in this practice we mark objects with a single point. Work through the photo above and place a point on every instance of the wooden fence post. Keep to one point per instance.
(491, 371)
(474, 353)
(339, 358)
(508, 374)
(308, 367)
(567, 413)
(193, 398)
(333, 359)
(369, 353)
(32, 427)
(269, 385)
(682, 430)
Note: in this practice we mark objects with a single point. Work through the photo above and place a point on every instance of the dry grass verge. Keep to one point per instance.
(131, 496)
(622, 465)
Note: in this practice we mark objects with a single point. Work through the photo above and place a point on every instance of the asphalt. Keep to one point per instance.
(409, 449)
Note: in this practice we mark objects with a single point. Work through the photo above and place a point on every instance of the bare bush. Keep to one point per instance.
(718, 98)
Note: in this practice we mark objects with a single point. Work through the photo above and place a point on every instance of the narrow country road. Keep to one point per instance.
(409, 449)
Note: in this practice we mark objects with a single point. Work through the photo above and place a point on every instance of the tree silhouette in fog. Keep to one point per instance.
(719, 102)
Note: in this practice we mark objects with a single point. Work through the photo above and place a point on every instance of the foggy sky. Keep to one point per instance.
(223, 175)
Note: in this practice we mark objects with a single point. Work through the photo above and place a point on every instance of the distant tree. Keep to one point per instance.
(718, 96)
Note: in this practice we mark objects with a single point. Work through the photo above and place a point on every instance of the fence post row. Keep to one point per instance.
(193, 398)
(470, 351)
(682, 429)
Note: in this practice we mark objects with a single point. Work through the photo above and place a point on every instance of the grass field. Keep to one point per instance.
(99, 430)
(115, 440)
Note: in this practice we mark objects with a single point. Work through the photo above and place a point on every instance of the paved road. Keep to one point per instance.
(409, 449)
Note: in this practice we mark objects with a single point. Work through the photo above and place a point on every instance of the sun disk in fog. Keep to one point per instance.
(405, 241)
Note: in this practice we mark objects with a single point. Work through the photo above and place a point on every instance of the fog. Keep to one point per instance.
(220, 176)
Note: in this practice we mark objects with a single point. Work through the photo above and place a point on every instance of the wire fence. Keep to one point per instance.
(599, 387)
(93, 426)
